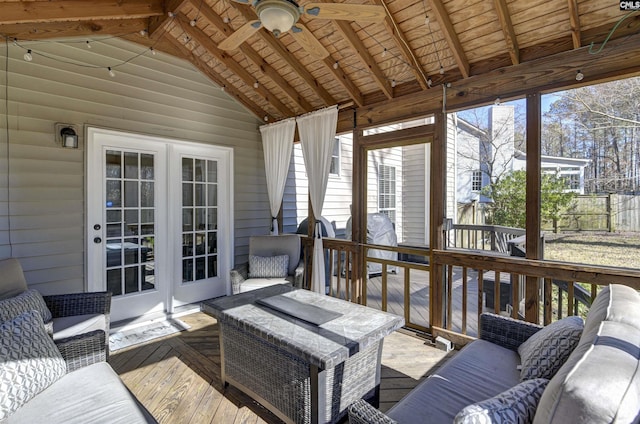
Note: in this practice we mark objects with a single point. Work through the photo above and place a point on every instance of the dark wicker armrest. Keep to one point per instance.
(298, 276)
(83, 349)
(505, 331)
(238, 275)
(361, 412)
(66, 305)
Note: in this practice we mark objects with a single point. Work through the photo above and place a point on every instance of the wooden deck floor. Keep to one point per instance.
(178, 377)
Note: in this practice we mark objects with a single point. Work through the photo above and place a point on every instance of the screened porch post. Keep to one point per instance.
(533, 200)
(359, 209)
(438, 180)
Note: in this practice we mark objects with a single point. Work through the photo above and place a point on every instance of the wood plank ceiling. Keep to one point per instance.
(416, 46)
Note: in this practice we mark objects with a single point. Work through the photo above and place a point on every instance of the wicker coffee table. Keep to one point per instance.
(304, 356)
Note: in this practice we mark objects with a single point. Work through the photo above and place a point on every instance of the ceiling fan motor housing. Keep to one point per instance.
(277, 16)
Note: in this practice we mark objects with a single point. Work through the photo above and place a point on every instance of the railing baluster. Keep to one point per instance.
(480, 294)
(407, 294)
(570, 297)
(515, 295)
(449, 297)
(548, 313)
(496, 293)
(464, 300)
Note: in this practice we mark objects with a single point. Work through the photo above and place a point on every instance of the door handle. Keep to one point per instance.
(97, 240)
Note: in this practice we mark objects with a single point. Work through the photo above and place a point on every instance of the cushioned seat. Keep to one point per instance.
(64, 327)
(272, 260)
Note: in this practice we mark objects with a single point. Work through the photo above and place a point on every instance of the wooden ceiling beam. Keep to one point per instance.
(350, 36)
(259, 61)
(450, 35)
(21, 12)
(551, 73)
(206, 43)
(218, 80)
(158, 24)
(277, 47)
(403, 45)
(41, 31)
(507, 29)
(574, 17)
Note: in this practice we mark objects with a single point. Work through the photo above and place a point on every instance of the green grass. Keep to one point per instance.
(594, 248)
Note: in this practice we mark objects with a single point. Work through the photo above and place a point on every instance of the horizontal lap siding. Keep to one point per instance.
(42, 187)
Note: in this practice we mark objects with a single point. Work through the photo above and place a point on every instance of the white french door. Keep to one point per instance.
(159, 221)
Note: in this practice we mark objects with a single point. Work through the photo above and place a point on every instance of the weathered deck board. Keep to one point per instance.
(178, 377)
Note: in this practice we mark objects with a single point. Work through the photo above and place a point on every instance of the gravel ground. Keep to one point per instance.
(596, 248)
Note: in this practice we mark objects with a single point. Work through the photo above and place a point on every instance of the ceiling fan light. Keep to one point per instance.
(277, 16)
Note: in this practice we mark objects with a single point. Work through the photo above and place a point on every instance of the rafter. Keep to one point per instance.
(206, 43)
(221, 82)
(574, 17)
(259, 61)
(158, 24)
(276, 46)
(450, 35)
(72, 10)
(402, 43)
(507, 29)
(363, 54)
(30, 31)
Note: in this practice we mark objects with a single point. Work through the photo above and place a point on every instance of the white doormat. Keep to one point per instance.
(144, 333)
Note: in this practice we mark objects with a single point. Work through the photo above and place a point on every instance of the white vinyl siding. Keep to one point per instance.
(157, 95)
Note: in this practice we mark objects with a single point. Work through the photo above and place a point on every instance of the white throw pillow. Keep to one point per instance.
(514, 406)
(29, 361)
(546, 351)
(30, 300)
(269, 266)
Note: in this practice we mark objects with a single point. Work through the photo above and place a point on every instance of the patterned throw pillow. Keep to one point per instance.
(268, 267)
(546, 351)
(29, 361)
(30, 300)
(514, 406)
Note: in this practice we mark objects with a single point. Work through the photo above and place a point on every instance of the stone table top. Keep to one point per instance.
(326, 345)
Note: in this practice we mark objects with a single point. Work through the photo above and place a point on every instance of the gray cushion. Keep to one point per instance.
(547, 350)
(12, 280)
(93, 394)
(284, 244)
(64, 327)
(268, 266)
(516, 405)
(479, 371)
(600, 382)
(258, 283)
(29, 361)
(30, 300)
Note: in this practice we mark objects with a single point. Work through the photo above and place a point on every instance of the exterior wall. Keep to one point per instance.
(389, 157)
(42, 194)
(415, 189)
(451, 210)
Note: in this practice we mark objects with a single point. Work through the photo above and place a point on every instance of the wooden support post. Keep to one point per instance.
(533, 227)
(359, 213)
(436, 224)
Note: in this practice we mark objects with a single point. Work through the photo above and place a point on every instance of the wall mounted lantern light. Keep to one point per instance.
(66, 136)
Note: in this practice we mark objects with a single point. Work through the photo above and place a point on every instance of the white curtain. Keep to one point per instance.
(277, 144)
(317, 132)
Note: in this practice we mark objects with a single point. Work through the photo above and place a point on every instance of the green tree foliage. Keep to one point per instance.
(509, 199)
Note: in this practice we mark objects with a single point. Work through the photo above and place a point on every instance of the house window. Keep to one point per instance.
(476, 181)
(387, 191)
(335, 158)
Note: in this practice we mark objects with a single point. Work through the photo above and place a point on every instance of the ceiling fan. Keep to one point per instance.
(280, 16)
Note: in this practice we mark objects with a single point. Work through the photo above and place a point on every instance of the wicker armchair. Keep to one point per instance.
(270, 246)
(80, 321)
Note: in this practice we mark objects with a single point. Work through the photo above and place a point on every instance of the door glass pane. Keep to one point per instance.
(199, 219)
(130, 266)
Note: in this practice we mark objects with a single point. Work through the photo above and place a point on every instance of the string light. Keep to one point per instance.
(384, 52)
(27, 56)
(426, 20)
(335, 65)
(393, 83)
(111, 73)
(223, 88)
(497, 101)
(441, 70)
(153, 52)
(143, 32)
(88, 44)
(171, 14)
(579, 76)
(429, 82)
(193, 22)
(185, 38)
(256, 85)
(225, 19)
(266, 118)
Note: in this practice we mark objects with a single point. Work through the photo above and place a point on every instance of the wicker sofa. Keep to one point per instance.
(595, 381)
(53, 353)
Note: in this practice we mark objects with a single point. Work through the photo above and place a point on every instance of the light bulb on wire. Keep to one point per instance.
(441, 70)
(579, 76)
(393, 83)
(27, 56)
(88, 44)
(384, 52)
(335, 65)
(193, 22)
(256, 84)
(225, 19)
(111, 73)
(152, 50)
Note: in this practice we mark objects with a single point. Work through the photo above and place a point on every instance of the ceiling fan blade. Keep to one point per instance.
(308, 41)
(241, 35)
(343, 11)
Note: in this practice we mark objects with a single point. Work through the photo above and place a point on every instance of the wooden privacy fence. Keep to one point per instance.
(603, 212)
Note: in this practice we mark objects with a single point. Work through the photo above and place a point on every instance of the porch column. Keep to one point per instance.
(438, 180)
(533, 200)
